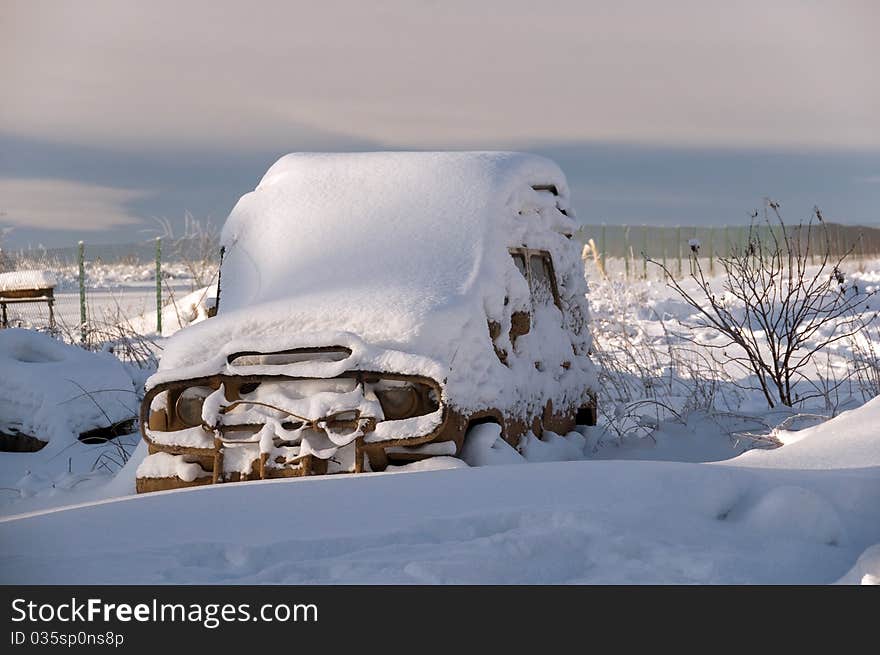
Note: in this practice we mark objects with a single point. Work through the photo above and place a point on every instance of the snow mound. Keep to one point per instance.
(440, 463)
(866, 570)
(848, 441)
(552, 447)
(485, 447)
(791, 511)
(50, 390)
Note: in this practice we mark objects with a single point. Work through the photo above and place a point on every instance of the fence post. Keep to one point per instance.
(644, 252)
(711, 251)
(626, 249)
(602, 246)
(159, 286)
(82, 291)
(811, 245)
(678, 241)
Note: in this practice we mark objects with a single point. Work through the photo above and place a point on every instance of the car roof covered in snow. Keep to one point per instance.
(410, 223)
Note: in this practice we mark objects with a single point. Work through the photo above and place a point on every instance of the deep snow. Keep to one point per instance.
(560, 522)
(55, 391)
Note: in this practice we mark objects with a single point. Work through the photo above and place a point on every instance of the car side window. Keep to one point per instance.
(520, 262)
(541, 280)
(537, 267)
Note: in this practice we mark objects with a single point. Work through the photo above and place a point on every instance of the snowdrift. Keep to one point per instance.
(851, 440)
(53, 391)
(770, 517)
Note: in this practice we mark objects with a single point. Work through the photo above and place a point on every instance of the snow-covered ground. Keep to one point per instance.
(811, 515)
(666, 391)
(716, 503)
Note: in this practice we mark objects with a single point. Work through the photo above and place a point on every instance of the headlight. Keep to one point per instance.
(189, 405)
(398, 403)
(401, 400)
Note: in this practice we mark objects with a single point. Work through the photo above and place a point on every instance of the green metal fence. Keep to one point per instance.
(627, 248)
(93, 286)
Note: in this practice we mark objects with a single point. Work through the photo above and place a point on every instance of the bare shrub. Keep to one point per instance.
(864, 364)
(776, 310)
(645, 380)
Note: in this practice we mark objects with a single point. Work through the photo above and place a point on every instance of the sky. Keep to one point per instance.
(115, 115)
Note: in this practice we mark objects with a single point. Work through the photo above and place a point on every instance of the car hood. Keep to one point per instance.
(394, 343)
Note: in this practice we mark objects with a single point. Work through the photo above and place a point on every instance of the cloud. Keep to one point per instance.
(40, 203)
(868, 179)
(441, 74)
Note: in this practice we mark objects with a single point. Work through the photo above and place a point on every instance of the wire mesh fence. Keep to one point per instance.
(93, 294)
(625, 250)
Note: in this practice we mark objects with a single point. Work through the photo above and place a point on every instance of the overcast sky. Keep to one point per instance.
(114, 113)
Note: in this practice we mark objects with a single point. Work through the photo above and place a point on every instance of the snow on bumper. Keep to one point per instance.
(246, 427)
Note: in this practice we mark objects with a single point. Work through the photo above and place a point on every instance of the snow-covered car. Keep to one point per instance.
(372, 308)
